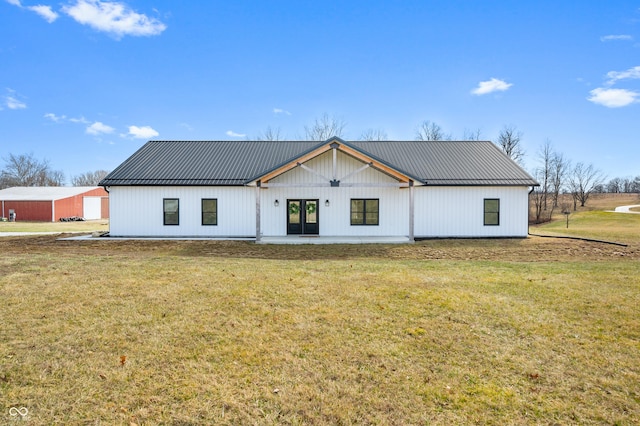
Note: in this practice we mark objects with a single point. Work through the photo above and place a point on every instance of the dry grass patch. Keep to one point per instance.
(88, 226)
(317, 335)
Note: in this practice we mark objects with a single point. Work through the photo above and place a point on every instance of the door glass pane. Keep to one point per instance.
(294, 212)
(311, 211)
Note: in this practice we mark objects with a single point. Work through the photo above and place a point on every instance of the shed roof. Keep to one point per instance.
(241, 162)
(43, 193)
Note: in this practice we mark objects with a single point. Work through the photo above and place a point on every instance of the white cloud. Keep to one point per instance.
(57, 118)
(63, 118)
(490, 86)
(98, 128)
(630, 74)
(144, 132)
(13, 103)
(613, 98)
(616, 37)
(281, 111)
(235, 135)
(114, 18)
(80, 120)
(44, 11)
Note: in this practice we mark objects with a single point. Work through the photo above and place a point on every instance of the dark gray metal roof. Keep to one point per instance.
(450, 162)
(201, 163)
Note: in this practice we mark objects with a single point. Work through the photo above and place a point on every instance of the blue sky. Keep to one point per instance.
(84, 83)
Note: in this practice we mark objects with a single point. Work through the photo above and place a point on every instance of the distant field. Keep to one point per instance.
(525, 331)
(597, 220)
(619, 227)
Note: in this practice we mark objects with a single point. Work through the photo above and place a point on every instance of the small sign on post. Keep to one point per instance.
(567, 212)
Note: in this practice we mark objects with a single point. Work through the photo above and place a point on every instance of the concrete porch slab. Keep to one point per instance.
(314, 239)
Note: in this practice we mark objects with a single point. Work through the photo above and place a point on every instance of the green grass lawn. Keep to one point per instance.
(531, 331)
(609, 226)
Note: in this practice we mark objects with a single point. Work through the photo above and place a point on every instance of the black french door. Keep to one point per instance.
(302, 217)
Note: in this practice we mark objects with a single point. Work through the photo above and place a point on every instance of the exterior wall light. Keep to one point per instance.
(276, 203)
(326, 203)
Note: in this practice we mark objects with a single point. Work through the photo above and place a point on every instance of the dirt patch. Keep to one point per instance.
(532, 249)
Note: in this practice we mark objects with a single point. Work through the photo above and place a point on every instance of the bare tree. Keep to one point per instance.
(89, 178)
(537, 196)
(510, 141)
(374, 135)
(543, 174)
(324, 128)
(472, 135)
(583, 182)
(54, 178)
(26, 170)
(615, 185)
(560, 168)
(270, 134)
(430, 131)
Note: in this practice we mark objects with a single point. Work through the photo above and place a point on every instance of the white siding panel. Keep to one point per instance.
(138, 211)
(459, 211)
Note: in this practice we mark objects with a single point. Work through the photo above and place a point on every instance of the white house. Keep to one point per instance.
(259, 189)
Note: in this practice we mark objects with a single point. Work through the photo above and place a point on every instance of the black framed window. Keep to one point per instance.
(171, 208)
(491, 211)
(209, 211)
(365, 211)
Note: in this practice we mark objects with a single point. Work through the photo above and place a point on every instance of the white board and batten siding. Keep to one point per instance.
(138, 211)
(458, 211)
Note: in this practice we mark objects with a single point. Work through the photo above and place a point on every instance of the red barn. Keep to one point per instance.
(50, 203)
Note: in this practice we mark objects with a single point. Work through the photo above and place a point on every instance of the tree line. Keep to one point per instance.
(553, 170)
(558, 175)
(27, 170)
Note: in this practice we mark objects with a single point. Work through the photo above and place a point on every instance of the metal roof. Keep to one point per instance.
(450, 162)
(43, 193)
(200, 163)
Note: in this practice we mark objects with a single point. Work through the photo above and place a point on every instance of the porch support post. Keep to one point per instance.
(258, 237)
(411, 210)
